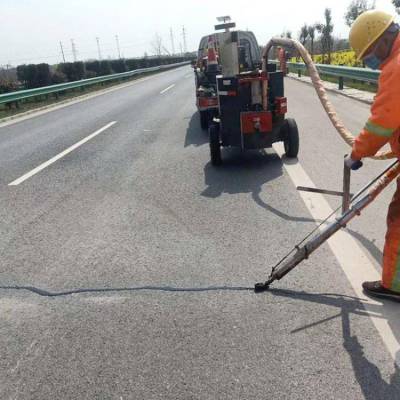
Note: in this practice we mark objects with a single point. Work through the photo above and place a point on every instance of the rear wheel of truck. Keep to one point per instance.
(290, 138)
(204, 119)
(215, 145)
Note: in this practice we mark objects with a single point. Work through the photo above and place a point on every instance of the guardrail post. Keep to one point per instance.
(299, 73)
(341, 83)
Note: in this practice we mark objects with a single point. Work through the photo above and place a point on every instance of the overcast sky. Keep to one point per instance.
(31, 30)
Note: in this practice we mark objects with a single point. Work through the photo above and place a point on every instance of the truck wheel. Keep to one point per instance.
(215, 145)
(290, 138)
(204, 119)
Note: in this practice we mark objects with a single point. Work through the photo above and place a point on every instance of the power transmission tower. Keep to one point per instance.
(171, 33)
(180, 46)
(184, 39)
(98, 47)
(118, 48)
(74, 52)
(62, 51)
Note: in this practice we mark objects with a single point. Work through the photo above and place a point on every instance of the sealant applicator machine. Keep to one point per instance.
(351, 205)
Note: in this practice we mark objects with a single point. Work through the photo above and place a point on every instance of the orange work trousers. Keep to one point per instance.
(391, 253)
(283, 66)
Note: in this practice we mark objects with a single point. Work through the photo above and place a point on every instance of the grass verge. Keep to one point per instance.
(354, 84)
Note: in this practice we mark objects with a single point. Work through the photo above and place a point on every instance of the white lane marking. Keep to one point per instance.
(352, 259)
(168, 88)
(58, 156)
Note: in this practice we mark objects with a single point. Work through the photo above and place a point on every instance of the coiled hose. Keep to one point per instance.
(319, 88)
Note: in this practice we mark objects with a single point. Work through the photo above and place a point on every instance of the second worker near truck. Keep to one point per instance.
(375, 39)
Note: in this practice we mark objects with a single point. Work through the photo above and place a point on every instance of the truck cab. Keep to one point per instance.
(210, 64)
(251, 54)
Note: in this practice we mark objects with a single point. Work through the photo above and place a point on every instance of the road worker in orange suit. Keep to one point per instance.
(375, 39)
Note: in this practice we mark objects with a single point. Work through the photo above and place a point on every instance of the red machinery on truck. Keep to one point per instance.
(206, 71)
(243, 105)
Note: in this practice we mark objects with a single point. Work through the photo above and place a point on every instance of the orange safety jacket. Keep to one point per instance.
(383, 126)
(282, 60)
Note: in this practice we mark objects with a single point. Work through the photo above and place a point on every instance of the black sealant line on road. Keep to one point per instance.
(46, 293)
(278, 292)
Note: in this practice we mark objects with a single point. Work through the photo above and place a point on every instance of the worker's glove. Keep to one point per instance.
(353, 164)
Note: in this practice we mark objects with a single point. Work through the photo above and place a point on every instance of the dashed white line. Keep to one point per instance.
(353, 261)
(168, 88)
(58, 156)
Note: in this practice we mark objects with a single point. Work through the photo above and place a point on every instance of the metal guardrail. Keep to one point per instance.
(358, 74)
(25, 94)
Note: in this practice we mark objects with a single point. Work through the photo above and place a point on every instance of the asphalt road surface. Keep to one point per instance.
(127, 260)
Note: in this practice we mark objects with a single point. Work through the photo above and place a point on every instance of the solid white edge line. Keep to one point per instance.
(352, 259)
(58, 156)
(168, 88)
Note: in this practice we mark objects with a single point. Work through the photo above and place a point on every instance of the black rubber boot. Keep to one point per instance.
(375, 289)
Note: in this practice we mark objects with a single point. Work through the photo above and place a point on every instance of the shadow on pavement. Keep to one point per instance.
(241, 172)
(369, 245)
(247, 172)
(368, 375)
(195, 136)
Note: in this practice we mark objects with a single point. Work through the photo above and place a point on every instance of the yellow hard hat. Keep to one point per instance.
(367, 29)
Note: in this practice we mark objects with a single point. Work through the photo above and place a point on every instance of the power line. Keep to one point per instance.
(118, 48)
(166, 50)
(69, 52)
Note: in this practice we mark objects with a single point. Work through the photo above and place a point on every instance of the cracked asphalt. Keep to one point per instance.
(127, 266)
